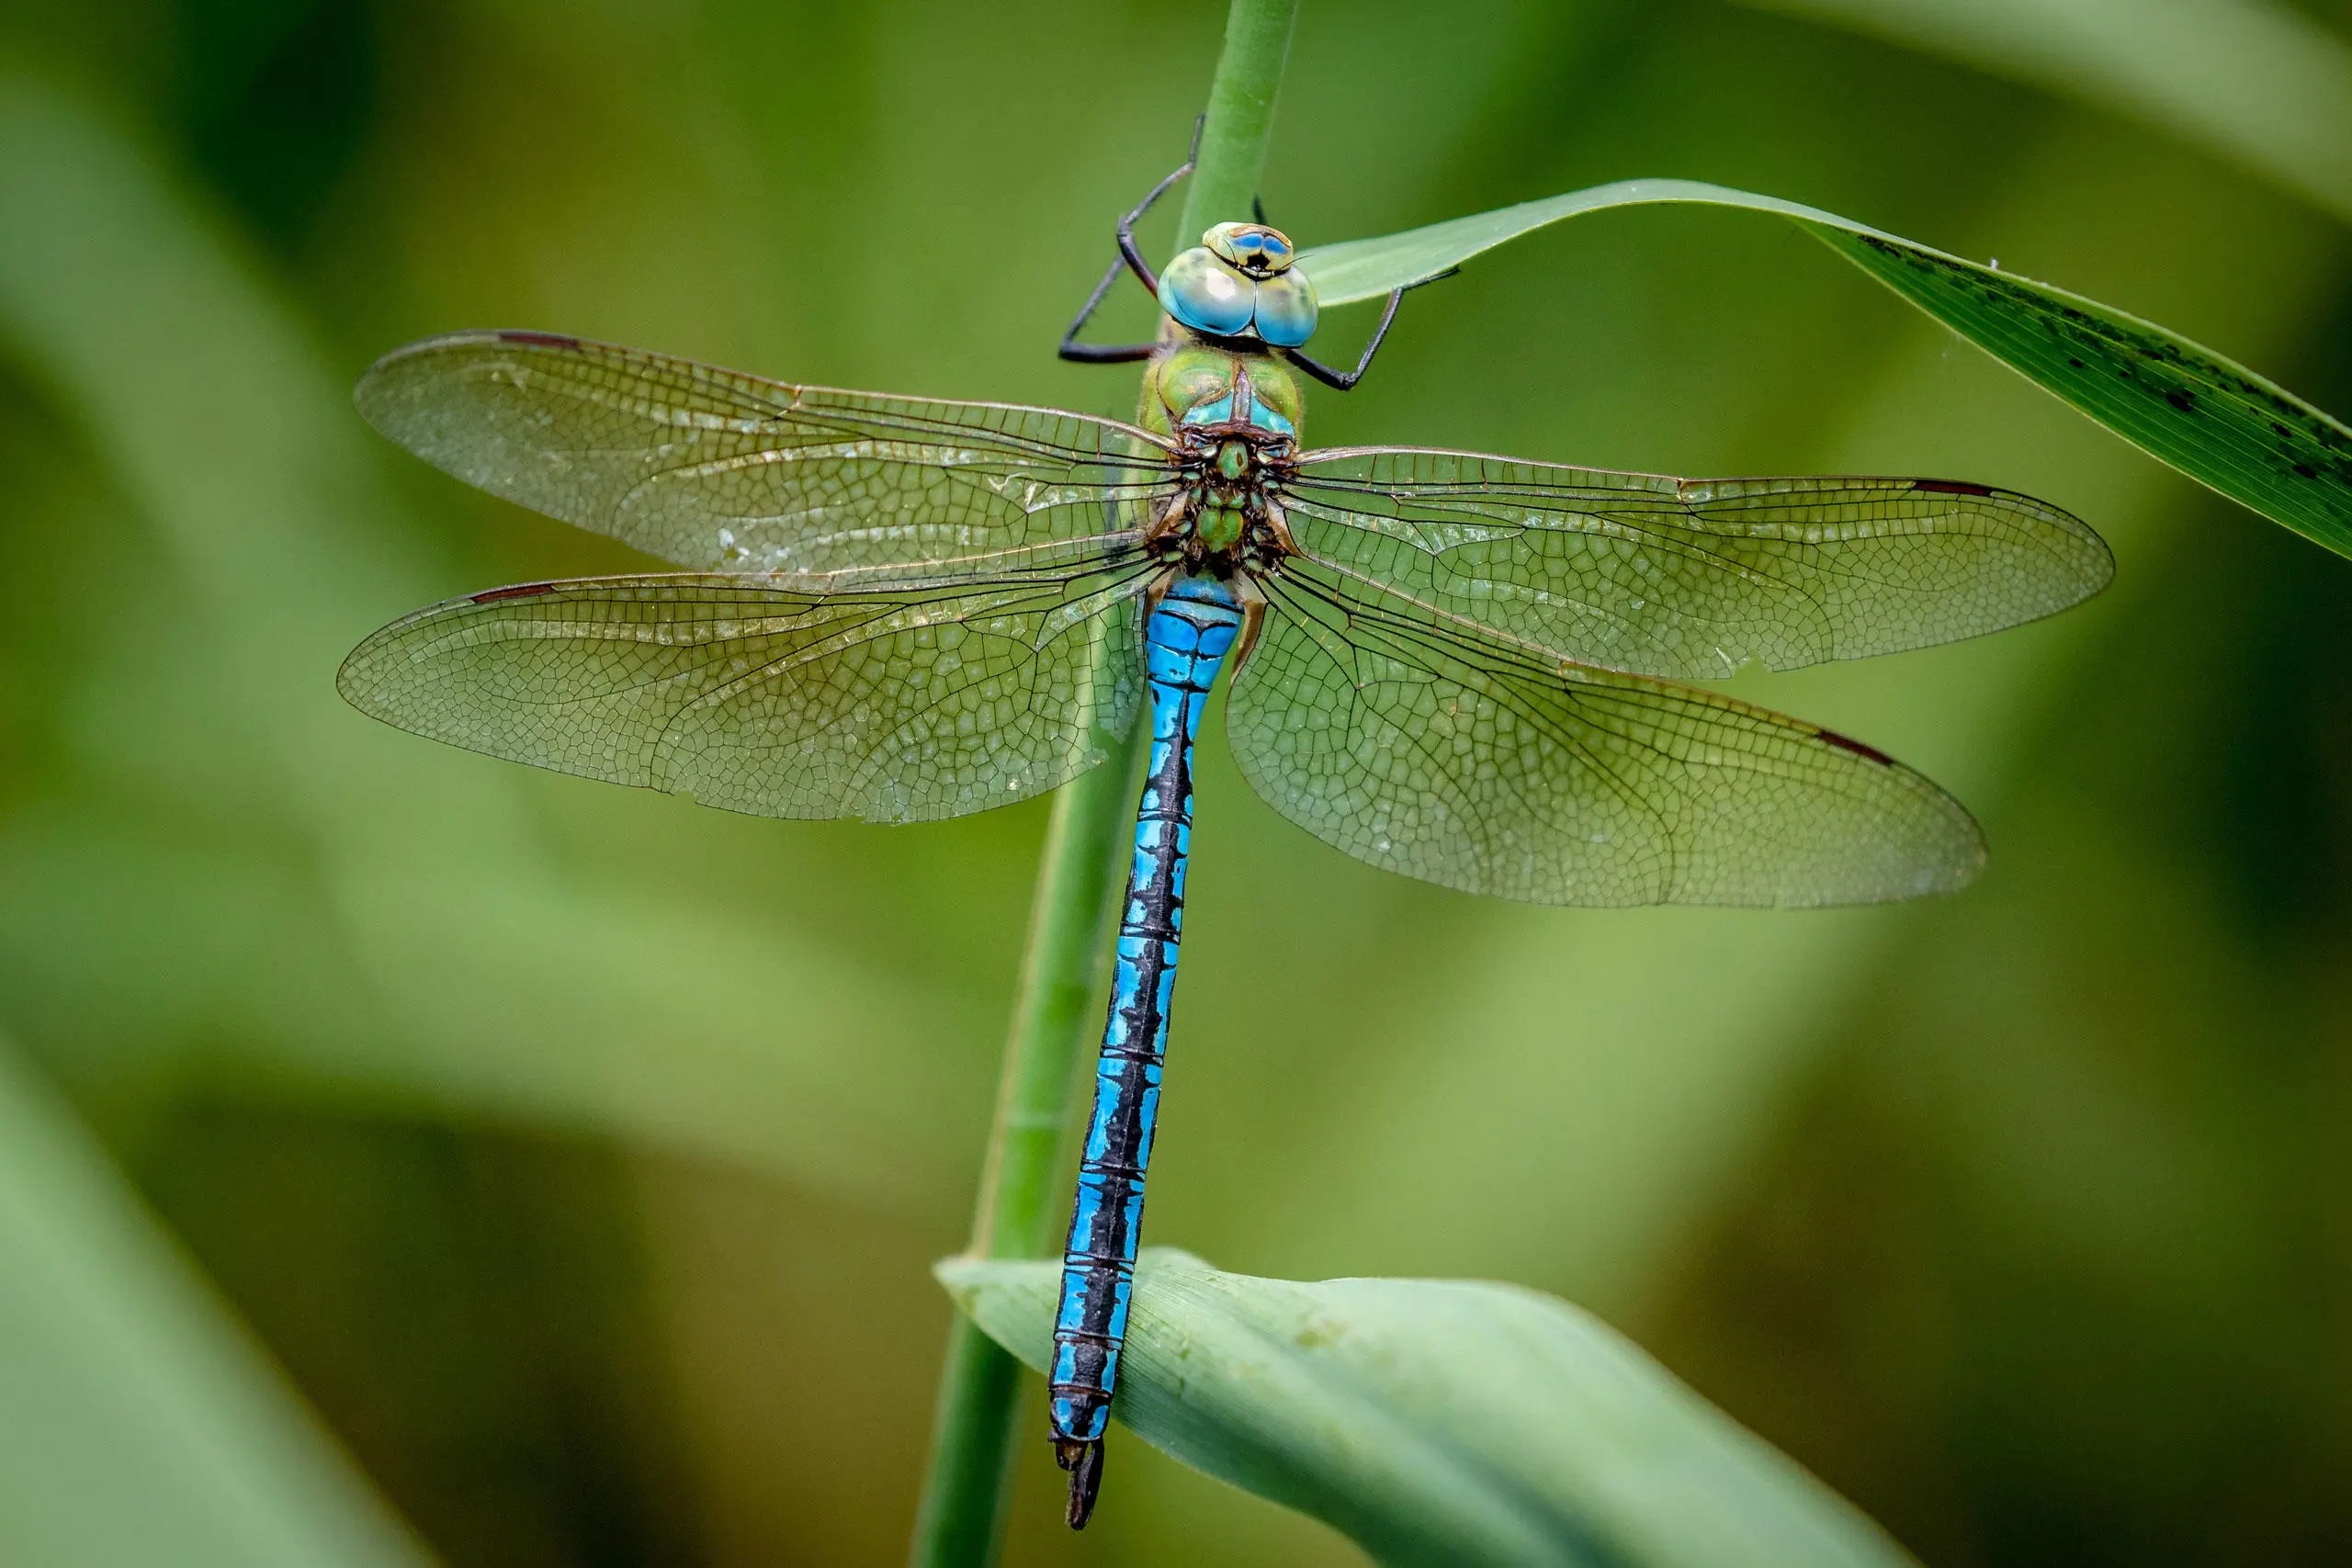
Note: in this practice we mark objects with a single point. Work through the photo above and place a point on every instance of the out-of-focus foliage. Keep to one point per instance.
(581, 1154)
(2256, 80)
(141, 1427)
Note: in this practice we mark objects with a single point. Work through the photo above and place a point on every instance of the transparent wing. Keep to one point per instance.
(893, 701)
(1690, 578)
(1449, 753)
(718, 470)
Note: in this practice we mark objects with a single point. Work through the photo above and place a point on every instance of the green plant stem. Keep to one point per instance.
(1240, 117)
(960, 1521)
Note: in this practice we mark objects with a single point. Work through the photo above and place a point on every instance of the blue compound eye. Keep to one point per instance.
(1286, 310)
(1207, 295)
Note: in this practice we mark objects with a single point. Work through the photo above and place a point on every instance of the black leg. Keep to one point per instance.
(1130, 257)
(1343, 380)
(1127, 248)
(1099, 353)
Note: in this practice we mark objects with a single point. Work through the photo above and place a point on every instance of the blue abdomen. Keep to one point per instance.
(1186, 642)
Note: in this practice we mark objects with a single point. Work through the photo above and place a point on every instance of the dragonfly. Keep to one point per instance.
(1468, 669)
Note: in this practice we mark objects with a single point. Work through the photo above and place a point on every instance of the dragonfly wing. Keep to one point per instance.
(1690, 578)
(893, 701)
(718, 470)
(1446, 752)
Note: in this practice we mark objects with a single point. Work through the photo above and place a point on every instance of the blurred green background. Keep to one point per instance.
(405, 1156)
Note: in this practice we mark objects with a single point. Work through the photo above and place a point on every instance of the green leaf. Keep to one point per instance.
(142, 1425)
(2212, 418)
(1438, 1421)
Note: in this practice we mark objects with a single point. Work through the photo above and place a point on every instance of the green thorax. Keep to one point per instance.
(1190, 382)
(1236, 411)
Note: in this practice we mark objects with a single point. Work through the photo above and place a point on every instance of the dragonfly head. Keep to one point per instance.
(1239, 283)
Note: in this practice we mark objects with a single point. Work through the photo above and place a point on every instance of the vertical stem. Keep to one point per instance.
(1241, 116)
(960, 1521)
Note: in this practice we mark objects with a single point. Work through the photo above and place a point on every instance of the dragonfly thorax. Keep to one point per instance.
(1233, 418)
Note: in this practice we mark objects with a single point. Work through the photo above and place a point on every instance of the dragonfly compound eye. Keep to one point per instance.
(1286, 310)
(1208, 294)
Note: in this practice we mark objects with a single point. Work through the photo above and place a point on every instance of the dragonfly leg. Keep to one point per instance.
(1130, 257)
(1341, 380)
(1099, 353)
(1127, 248)
(1344, 380)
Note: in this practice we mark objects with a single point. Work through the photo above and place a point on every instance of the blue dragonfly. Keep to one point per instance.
(1464, 668)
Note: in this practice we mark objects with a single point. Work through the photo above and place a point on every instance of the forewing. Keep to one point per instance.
(1446, 752)
(893, 701)
(718, 470)
(1690, 578)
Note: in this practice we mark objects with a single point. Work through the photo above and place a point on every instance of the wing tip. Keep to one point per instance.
(2095, 573)
(354, 678)
(1961, 870)
(1957, 854)
(1948, 851)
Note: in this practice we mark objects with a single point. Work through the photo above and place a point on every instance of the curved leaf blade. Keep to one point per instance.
(2198, 410)
(1440, 1422)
